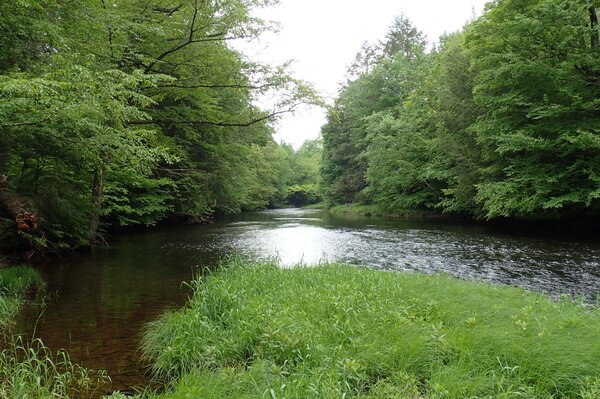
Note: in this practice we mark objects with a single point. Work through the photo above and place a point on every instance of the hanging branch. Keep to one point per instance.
(216, 86)
(215, 123)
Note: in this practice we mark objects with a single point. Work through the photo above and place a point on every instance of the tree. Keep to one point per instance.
(381, 91)
(448, 91)
(404, 38)
(535, 84)
(126, 112)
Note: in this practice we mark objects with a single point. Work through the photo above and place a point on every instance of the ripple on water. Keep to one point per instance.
(102, 300)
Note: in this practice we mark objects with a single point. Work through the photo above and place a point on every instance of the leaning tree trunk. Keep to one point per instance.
(18, 209)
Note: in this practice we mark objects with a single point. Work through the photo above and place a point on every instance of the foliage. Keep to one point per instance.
(378, 92)
(30, 370)
(126, 112)
(499, 120)
(14, 283)
(333, 331)
(299, 196)
(535, 84)
(302, 184)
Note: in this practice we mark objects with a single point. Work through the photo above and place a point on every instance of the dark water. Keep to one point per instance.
(99, 302)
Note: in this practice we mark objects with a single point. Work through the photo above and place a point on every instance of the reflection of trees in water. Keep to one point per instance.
(103, 299)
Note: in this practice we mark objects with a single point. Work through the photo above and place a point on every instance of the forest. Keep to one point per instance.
(497, 121)
(124, 113)
(132, 113)
(117, 116)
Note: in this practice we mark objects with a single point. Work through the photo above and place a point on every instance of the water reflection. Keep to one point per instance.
(100, 302)
(550, 265)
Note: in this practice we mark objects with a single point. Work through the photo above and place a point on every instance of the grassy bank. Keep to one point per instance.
(337, 331)
(375, 210)
(357, 209)
(318, 205)
(28, 369)
(14, 284)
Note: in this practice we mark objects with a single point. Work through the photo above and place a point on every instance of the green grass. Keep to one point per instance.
(30, 369)
(376, 210)
(334, 331)
(357, 209)
(14, 283)
(318, 205)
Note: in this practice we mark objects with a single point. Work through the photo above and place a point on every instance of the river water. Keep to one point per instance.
(98, 303)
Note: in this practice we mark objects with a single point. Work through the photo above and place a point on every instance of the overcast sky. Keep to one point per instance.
(322, 37)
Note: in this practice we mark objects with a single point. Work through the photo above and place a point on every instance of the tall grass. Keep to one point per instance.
(336, 331)
(14, 283)
(29, 370)
(357, 209)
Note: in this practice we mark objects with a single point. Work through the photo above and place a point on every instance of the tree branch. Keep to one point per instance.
(215, 123)
(168, 11)
(214, 86)
(18, 124)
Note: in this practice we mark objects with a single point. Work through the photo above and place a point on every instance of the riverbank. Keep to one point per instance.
(375, 210)
(15, 282)
(28, 369)
(341, 331)
(582, 227)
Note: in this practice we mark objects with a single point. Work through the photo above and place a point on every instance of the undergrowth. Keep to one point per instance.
(336, 331)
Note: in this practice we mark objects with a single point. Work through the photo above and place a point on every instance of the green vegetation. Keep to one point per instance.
(357, 209)
(338, 331)
(302, 180)
(376, 210)
(30, 369)
(14, 283)
(318, 205)
(127, 112)
(499, 120)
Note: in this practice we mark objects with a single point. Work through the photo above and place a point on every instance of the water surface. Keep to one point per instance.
(98, 303)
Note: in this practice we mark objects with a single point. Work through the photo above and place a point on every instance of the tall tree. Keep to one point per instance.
(404, 38)
(125, 112)
(379, 90)
(536, 86)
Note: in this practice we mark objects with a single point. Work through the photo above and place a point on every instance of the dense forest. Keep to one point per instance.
(130, 112)
(499, 120)
(119, 114)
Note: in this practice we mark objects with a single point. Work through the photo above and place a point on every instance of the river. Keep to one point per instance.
(98, 303)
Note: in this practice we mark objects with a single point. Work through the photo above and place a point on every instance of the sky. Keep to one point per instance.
(323, 36)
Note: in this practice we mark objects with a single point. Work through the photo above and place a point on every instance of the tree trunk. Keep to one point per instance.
(18, 208)
(97, 189)
(594, 26)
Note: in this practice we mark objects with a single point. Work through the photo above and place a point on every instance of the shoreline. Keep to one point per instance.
(302, 300)
(339, 330)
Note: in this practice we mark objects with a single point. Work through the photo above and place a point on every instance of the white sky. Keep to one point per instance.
(323, 36)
